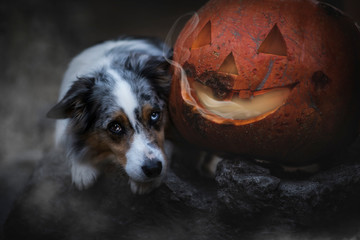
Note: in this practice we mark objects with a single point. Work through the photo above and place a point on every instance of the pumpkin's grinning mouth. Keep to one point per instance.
(261, 104)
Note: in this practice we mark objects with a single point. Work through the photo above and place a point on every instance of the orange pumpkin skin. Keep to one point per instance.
(320, 66)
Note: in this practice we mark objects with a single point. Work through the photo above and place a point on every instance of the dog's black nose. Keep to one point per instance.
(152, 168)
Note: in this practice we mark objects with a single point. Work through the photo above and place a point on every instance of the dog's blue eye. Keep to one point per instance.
(115, 128)
(154, 117)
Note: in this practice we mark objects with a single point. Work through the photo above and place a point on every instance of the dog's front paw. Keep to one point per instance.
(83, 175)
(208, 163)
(143, 187)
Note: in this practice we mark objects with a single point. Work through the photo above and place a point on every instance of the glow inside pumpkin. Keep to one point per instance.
(239, 108)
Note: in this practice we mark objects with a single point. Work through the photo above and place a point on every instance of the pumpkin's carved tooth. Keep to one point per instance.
(245, 94)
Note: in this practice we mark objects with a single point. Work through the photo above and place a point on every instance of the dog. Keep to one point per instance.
(113, 106)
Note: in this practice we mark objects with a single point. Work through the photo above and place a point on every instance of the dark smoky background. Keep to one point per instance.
(38, 38)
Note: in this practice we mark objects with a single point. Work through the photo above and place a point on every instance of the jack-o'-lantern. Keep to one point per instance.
(273, 80)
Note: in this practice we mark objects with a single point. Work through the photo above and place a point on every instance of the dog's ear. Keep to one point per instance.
(74, 102)
(157, 71)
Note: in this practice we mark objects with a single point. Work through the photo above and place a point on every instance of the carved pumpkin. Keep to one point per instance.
(274, 80)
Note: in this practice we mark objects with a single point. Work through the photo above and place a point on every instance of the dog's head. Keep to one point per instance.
(120, 110)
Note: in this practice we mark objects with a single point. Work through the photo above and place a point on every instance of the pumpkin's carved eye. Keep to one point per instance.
(229, 66)
(204, 37)
(274, 43)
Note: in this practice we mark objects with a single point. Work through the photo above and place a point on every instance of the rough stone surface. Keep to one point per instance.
(244, 200)
(248, 190)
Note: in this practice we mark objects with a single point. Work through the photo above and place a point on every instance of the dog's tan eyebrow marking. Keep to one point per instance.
(122, 118)
(146, 111)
